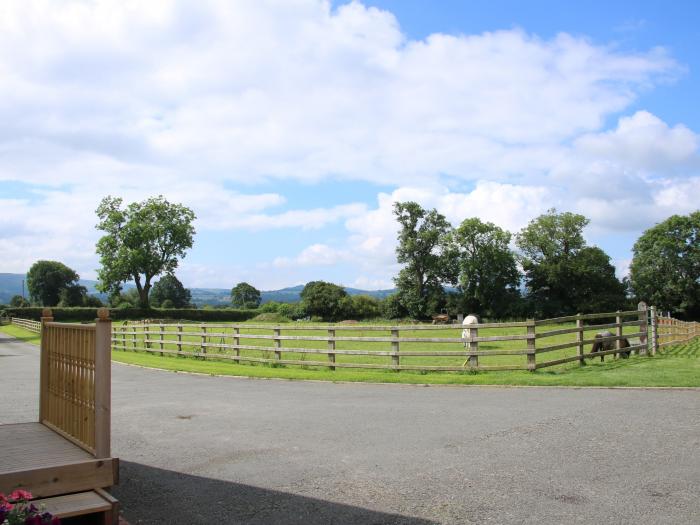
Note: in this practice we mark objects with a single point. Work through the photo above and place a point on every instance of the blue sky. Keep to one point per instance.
(291, 127)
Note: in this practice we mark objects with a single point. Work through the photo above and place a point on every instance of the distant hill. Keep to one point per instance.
(11, 284)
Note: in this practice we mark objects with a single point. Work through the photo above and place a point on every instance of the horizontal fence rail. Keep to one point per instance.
(524, 345)
(27, 324)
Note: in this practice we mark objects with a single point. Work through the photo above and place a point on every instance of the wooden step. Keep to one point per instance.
(81, 504)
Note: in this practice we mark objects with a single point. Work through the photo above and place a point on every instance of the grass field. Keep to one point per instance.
(443, 341)
(677, 366)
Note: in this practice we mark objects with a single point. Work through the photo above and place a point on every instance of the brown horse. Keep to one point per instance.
(599, 346)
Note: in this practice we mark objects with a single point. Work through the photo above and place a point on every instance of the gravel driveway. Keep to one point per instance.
(198, 449)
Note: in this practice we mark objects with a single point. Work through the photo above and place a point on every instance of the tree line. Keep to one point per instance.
(544, 270)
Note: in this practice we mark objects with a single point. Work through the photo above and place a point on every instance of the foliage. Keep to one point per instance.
(244, 295)
(17, 509)
(291, 310)
(73, 295)
(487, 272)
(363, 307)
(169, 288)
(18, 301)
(422, 242)
(563, 275)
(93, 301)
(126, 312)
(665, 269)
(391, 307)
(46, 279)
(142, 241)
(323, 299)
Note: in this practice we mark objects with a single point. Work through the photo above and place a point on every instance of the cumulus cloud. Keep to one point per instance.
(201, 101)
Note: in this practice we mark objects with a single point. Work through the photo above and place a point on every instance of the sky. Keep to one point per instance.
(291, 127)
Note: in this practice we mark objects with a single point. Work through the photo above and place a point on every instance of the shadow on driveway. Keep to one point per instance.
(152, 495)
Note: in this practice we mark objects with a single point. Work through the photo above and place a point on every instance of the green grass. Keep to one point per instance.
(21, 333)
(128, 341)
(676, 366)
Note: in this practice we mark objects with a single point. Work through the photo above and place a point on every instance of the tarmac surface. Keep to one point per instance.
(199, 449)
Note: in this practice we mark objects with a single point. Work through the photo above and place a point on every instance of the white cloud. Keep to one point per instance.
(193, 99)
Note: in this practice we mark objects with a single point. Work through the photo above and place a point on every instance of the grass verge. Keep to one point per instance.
(678, 366)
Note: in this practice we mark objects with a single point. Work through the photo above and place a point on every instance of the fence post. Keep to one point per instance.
(395, 359)
(103, 383)
(179, 339)
(531, 347)
(203, 344)
(133, 338)
(161, 327)
(46, 317)
(579, 339)
(618, 333)
(278, 343)
(124, 337)
(331, 346)
(237, 342)
(654, 330)
(473, 347)
(644, 327)
(146, 335)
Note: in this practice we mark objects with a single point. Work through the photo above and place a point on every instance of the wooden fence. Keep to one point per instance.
(526, 345)
(27, 324)
(670, 331)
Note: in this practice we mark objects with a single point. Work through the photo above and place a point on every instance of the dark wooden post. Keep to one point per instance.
(278, 343)
(395, 359)
(579, 340)
(618, 333)
(331, 347)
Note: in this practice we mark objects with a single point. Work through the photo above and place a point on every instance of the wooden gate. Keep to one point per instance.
(75, 382)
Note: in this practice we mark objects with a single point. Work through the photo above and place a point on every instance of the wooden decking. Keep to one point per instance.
(35, 458)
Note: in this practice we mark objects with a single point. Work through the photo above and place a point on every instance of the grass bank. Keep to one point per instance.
(678, 366)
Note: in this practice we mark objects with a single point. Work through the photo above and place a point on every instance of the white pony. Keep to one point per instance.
(467, 332)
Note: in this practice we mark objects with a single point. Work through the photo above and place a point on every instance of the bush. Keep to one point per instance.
(122, 313)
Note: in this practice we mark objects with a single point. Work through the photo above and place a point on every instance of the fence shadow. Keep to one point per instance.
(150, 495)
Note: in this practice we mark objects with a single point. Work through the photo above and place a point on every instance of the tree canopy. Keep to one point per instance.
(324, 299)
(422, 249)
(245, 295)
(169, 288)
(665, 268)
(487, 271)
(46, 280)
(562, 274)
(141, 241)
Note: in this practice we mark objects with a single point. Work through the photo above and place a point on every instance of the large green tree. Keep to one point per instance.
(665, 269)
(73, 295)
(245, 295)
(324, 300)
(562, 274)
(46, 279)
(423, 250)
(487, 270)
(141, 241)
(169, 288)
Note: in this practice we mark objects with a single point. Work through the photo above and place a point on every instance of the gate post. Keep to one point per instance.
(46, 317)
(103, 383)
